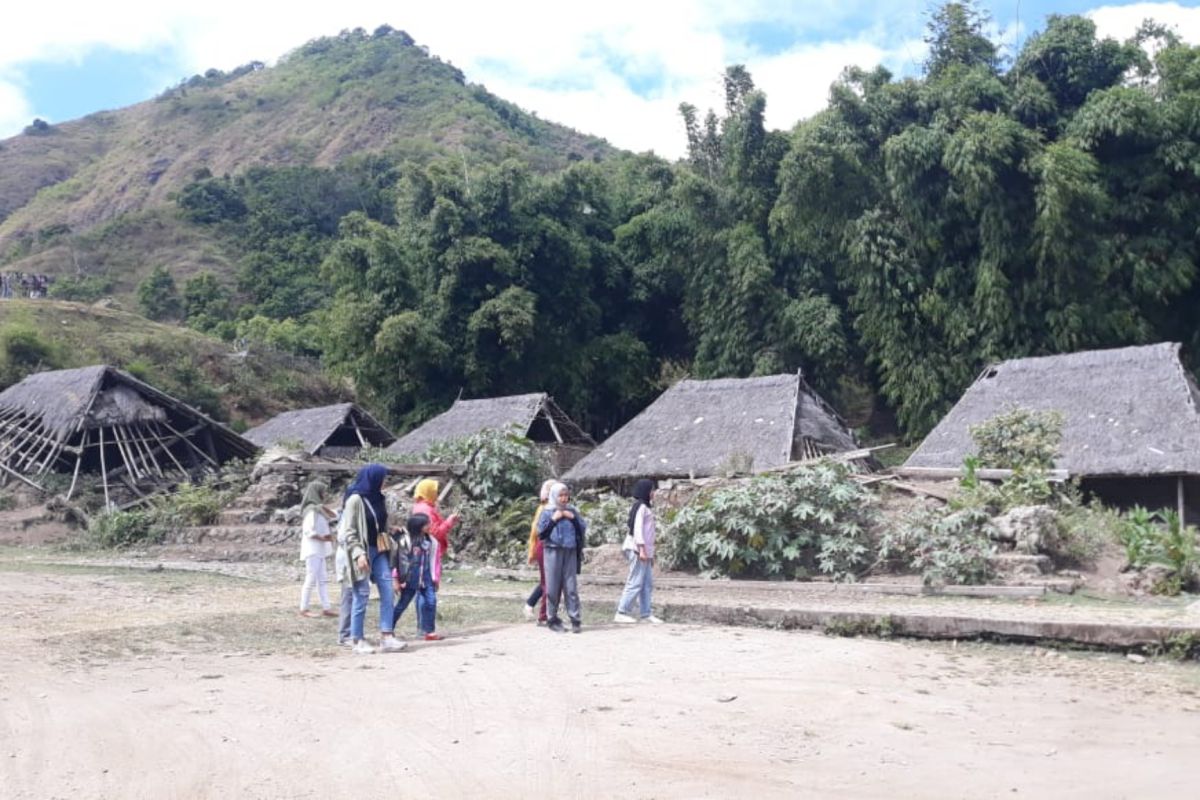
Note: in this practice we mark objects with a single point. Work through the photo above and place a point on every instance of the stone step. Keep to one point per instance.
(1020, 565)
(276, 536)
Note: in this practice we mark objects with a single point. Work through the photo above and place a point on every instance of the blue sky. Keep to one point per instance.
(618, 69)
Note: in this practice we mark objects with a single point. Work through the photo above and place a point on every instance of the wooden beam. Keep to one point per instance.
(1180, 500)
(8, 471)
(946, 474)
(78, 463)
(190, 443)
(103, 469)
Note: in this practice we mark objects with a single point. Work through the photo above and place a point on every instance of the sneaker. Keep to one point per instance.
(434, 637)
(309, 614)
(624, 618)
(390, 644)
(345, 643)
(556, 626)
(363, 648)
(653, 620)
(528, 610)
(329, 613)
(576, 627)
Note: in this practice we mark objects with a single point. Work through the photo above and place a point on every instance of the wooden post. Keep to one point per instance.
(78, 462)
(1180, 500)
(103, 468)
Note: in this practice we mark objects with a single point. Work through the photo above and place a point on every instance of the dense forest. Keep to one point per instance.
(889, 246)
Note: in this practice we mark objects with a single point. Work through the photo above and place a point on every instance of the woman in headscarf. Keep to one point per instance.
(536, 556)
(316, 544)
(562, 531)
(639, 552)
(425, 500)
(364, 535)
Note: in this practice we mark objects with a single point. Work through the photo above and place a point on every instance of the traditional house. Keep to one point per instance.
(1131, 430)
(102, 420)
(534, 416)
(735, 425)
(337, 431)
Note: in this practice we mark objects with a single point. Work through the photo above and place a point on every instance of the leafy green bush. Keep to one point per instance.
(124, 529)
(23, 350)
(812, 520)
(1161, 538)
(500, 466)
(497, 536)
(607, 519)
(81, 289)
(1084, 531)
(190, 505)
(1019, 439)
(157, 296)
(945, 548)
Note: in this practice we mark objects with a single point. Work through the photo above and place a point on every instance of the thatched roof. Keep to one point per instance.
(100, 418)
(525, 414)
(68, 401)
(701, 428)
(1129, 411)
(314, 428)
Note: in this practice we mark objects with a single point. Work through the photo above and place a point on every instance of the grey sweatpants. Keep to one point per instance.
(561, 563)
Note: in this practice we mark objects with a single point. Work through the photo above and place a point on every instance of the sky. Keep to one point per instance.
(617, 69)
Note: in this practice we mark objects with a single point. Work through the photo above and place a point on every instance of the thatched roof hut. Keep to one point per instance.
(701, 428)
(1129, 413)
(100, 419)
(337, 431)
(535, 416)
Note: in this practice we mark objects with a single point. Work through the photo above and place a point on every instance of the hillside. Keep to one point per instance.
(328, 100)
(236, 387)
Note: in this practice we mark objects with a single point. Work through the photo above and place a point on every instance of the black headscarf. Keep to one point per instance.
(368, 484)
(641, 497)
(416, 524)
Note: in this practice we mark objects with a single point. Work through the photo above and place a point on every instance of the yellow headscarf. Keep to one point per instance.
(427, 490)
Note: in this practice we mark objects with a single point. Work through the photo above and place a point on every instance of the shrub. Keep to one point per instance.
(123, 529)
(23, 350)
(945, 548)
(157, 296)
(500, 466)
(1160, 538)
(496, 536)
(1019, 439)
(189, 505)
(81, 289)
(813, 519)
(607, 519)
(1084, 530)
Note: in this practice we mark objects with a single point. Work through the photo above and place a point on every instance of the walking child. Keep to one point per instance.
(412, 575)
(639, 552)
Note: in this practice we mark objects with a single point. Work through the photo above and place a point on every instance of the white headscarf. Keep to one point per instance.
(544, 496)
(556, 489)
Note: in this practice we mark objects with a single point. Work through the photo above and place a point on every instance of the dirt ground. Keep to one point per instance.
(139, 684)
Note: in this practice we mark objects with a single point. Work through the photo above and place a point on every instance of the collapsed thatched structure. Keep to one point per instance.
(102, 420)
(1131, 427)
(337, 431)
(702, 428)
(534, 416)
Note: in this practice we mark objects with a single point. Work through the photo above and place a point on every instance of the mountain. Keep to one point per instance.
(244, 387)
(325, 102)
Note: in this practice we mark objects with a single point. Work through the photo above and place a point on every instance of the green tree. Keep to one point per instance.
(157, 296)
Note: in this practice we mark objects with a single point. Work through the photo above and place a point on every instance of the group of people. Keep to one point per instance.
(22, 285)
(405, 562)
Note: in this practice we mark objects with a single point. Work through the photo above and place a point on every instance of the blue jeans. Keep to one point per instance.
(639, 584)
(381, 574)
(426, 606)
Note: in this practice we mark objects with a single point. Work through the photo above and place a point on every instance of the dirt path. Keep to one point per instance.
(171, 685)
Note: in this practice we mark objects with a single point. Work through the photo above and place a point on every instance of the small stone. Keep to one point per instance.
(1137, 659)
(727, 698)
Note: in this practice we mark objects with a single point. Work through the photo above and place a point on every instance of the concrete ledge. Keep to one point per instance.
(931, 626)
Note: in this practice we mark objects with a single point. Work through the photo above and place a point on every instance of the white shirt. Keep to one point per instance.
(314, 525)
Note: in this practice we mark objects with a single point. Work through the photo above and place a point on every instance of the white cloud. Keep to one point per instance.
(568, 62)
(15, 111)
(1120, 22)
